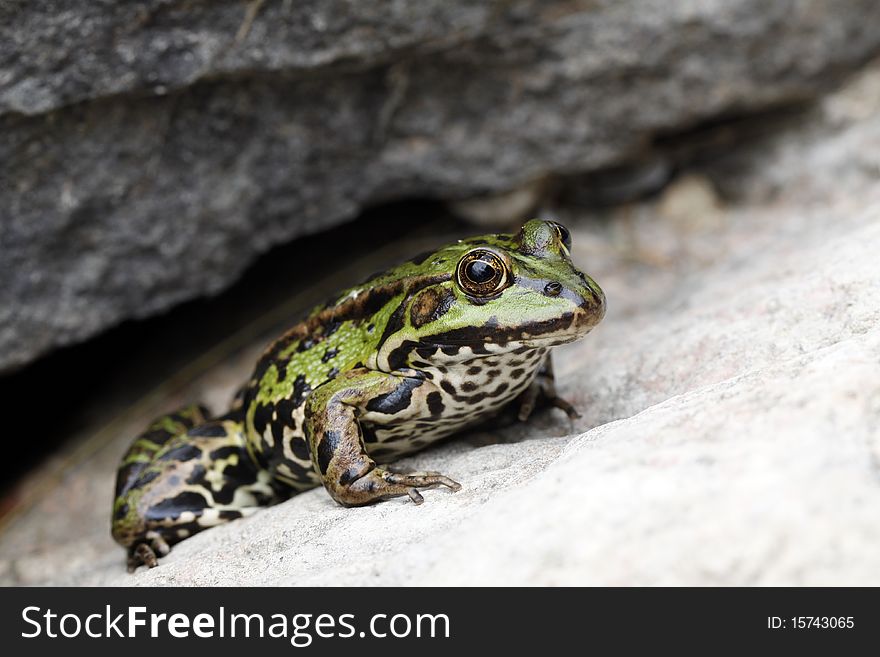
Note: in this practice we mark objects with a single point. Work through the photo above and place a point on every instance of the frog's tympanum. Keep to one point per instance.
(384, 369)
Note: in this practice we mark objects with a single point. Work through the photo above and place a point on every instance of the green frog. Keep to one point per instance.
(441, 342)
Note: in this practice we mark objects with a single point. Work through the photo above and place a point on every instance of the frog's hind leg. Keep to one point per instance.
(142, 451)
(171, 487)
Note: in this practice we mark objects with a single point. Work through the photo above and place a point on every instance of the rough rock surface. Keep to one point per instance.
(733, 393)
(151, 150)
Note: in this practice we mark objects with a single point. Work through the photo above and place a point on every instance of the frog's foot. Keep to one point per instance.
(379, 484)
(542, 391)
(145, 553)
(529, 400)
(427, 480)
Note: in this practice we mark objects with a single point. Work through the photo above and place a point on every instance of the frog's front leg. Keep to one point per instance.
(542, 391)
(336, 440)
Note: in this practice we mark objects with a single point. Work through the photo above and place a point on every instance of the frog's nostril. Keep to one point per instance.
(553, 289)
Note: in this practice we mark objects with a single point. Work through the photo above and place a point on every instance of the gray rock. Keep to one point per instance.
(152, 150)
(731, 415)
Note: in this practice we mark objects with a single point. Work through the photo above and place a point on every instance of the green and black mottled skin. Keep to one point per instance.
(414, 354)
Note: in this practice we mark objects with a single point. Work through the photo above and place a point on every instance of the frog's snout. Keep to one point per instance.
(596, 302)
(591, 306)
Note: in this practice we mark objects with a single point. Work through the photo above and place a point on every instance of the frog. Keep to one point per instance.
(443, 342)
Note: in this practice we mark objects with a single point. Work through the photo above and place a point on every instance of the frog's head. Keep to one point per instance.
(499, 293)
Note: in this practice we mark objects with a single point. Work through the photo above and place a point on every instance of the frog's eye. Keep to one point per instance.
(482, 273)
(564, 235)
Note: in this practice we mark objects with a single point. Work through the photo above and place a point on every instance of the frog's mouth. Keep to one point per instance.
(491, 338)
(553, 340)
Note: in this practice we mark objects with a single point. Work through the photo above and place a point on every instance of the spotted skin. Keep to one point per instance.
(414, 354)
(196, 479)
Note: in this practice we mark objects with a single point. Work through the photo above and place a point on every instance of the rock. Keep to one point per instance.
(629, 182)
(731, 416)
(496, 212)
(152, 150)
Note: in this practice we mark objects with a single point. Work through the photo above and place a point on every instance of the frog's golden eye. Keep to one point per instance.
(564, 235)
(482, 273)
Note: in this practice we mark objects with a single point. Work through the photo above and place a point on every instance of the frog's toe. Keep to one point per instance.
(148, 551)
(403, 472)
(566, 406)
(425, 481)
(422, 479)
(142, 555)
(536, 396)
(416, 480)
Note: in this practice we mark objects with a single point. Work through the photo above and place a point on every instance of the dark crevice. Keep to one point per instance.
(707, 139)
(648, 171)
